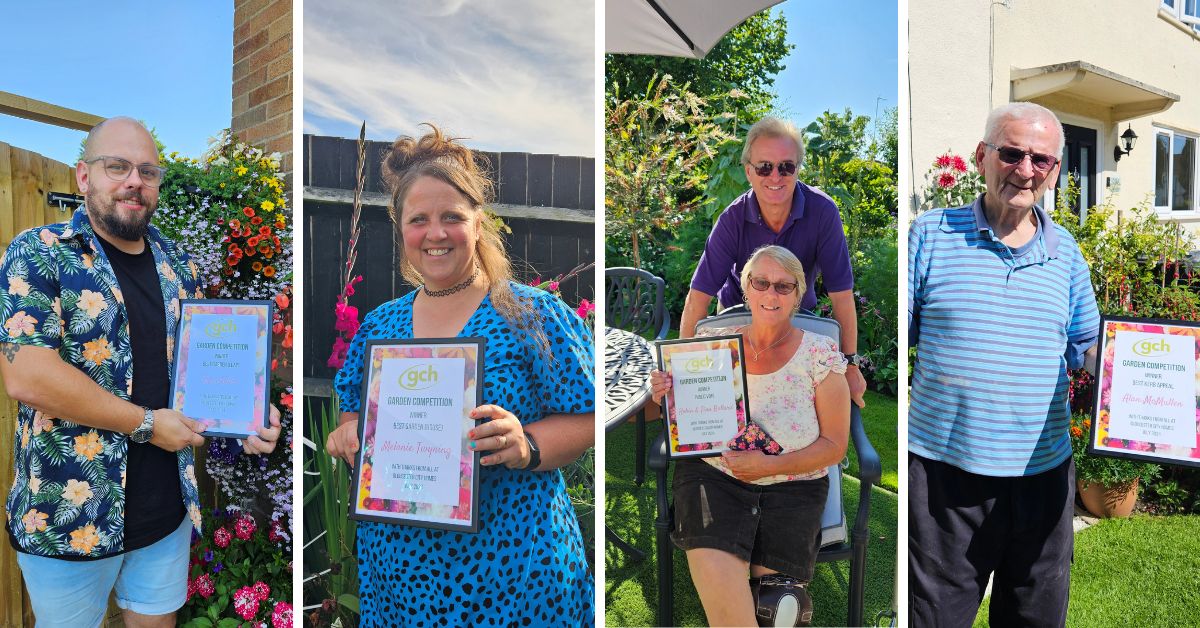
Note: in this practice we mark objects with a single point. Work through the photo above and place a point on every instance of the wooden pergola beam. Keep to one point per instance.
(31, 109)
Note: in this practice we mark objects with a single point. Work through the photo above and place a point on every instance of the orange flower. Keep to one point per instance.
(89, 445)
(97, 351)
(257, 220)
(257, 266)
(252, 242)
(235, 225)
(85, 539)
(269, 271)
(34, 521)
(264, 230)
(249, 211)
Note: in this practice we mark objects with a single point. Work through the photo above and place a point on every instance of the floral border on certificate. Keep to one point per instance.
(263, 335)
(367, 504)
(728, 344)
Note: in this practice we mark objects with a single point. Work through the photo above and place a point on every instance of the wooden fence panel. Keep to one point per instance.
(25, 179)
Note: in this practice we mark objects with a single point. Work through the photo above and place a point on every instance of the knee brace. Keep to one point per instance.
(781, 600)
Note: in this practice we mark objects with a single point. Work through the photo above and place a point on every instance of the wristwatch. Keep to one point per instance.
(145, 431)
(854, 359)
(535, 454)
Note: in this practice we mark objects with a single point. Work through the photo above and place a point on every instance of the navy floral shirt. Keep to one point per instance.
(57, 290)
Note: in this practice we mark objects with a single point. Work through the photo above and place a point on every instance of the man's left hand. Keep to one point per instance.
(264, 441)
(858, 385)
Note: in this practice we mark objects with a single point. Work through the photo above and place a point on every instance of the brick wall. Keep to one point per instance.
(262, 76)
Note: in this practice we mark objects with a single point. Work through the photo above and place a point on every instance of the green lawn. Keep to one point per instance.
(631, 590)
(1140, 571)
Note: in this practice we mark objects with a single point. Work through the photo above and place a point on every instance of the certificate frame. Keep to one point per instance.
(258, 412)
(1100, 443)
(462, 517)
(666, 350)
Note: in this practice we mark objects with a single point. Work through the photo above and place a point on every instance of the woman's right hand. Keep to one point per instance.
(660, 383)
(343, 441)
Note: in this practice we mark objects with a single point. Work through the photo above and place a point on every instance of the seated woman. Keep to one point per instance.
(526, 566)
(747, 511)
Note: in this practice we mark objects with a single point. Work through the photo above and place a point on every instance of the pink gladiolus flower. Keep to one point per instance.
(222, 537)
(261, 590)
(282, 616)
(350, 286)
(338, 357)
(553, 286)
(245, 602)
(585, 307)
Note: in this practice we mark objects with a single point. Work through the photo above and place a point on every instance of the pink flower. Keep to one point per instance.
(340, 349)
(959, 164)
(946, 180)
(585, 307)
(244, 527)
(222, 537)
(245, 602)
(347, 319)
(204, 585)
(350, 286)
(262, 590)
(282, 616)
(553, 287)
(273, 534)
(944, 161)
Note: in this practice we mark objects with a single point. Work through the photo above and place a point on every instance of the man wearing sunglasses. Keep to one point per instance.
(105, 491)
(1000, 306)
(778, 210)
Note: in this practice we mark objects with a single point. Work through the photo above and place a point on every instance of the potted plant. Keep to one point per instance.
(1107, 486)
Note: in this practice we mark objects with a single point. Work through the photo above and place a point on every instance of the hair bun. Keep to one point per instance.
(408, 152)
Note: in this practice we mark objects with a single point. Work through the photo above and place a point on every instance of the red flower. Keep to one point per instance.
(261, 590)
(257, 220)
(946, 180)
(286, 401)
(942, 161)
(245, 527)
(959, 164)
(245, 602)
(222, 537)
(204, 585)
(282, 301)
(249, 211)
(281, 617)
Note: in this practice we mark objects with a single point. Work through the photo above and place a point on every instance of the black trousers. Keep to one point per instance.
(963, 527)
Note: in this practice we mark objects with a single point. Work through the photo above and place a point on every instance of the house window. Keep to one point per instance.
(1188, 11)
(1175, 173)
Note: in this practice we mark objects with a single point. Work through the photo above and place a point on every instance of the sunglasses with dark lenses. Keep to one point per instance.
(781, 287)
(764, 168)
(1012, 156)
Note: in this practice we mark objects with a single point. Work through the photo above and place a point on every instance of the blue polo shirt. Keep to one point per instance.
(996, 329)
(813, 232)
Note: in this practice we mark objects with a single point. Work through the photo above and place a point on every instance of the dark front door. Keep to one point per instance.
(1079, 161)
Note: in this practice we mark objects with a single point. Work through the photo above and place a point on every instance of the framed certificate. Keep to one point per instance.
(1147, 391)
(706, 406)
(223, 364)
(414, 466)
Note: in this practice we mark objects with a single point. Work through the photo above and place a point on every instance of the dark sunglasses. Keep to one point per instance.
(1012, 156)
(781, 287)
(764, 168)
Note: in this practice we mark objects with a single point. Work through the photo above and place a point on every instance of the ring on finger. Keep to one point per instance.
(503, 440)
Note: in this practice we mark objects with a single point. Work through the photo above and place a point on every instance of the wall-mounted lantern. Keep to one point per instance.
(1128, 139)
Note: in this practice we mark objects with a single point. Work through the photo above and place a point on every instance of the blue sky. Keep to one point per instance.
(166, 63)
(508, 75)
(845, 56)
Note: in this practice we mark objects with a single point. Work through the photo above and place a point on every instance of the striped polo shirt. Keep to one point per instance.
(995, 329)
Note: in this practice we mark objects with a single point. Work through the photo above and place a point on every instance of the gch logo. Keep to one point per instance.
(219, 328)
(418, 377)
(1151, 348)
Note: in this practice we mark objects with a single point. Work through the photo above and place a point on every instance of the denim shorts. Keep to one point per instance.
(777, 526)
(149, 581)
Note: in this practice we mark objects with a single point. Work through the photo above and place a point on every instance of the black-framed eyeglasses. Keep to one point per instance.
(1012, 156)
(118, 169)
(764, 168)
(781, 287)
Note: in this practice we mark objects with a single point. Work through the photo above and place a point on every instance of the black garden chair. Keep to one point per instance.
(837, 543)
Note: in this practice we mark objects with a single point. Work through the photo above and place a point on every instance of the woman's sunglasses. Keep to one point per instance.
(764, 168)
(1013, 156)
(781, 287)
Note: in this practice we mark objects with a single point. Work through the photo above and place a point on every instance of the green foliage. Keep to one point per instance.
(330, 562)
(658, 146)
(875, 280)
(841, 161)
(1117, 473)
(580, 478)
(746, 59)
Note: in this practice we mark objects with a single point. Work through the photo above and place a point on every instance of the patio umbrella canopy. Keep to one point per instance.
(673, 28)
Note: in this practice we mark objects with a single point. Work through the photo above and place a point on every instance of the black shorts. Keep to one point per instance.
(777, 526)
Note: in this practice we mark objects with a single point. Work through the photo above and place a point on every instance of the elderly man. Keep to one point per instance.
(1001, 305)
(105, 492)
(780, 210)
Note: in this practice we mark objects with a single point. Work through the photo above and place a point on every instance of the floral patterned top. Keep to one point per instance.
(783, 403)
(57, 290)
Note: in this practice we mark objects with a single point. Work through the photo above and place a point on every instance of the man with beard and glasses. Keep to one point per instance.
(779, 209)
(105, 492)
(1000, 306)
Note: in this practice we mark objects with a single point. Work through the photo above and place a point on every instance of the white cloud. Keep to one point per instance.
(511, 75)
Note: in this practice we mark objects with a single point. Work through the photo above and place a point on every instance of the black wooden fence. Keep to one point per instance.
(547, 201)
